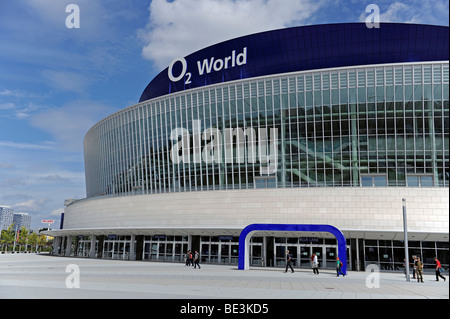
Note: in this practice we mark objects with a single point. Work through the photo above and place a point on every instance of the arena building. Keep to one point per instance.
(327, 124)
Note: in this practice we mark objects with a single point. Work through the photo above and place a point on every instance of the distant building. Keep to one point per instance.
(21, 220)
(6, 217)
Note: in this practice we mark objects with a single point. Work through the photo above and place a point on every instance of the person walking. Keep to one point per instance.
(419, 270)
(438, 269)
(196, 260)
(339, 267)
(315, 264)
(191, 259)
(288, 261)
(187, 257)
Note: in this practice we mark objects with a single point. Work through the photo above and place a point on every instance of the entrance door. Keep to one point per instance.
(256, 254)
(225, 253)
(318, 250)
(161, 251)
(280, 255)
(330, 256)
(302, 252)
(214, 257)
(305, 257)
(204, 252)
(234, 254)
(178, 252)
(108, 249)
(293, 251)
(169, 252)
(154, 251)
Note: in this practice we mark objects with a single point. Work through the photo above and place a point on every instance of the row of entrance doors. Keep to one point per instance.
(264, 252)
(228, 253)
(326, 255)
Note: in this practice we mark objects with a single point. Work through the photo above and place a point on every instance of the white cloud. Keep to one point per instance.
(414, 11)
(68, 124)
(6, 165)
(394, 13)
(7, 106)
(27, 146)
(57, 212)
(66, 80)
(55, 178)
(32, 204)
(180, 27)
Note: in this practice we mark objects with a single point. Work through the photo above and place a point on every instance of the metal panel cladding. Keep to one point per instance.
(299, 49)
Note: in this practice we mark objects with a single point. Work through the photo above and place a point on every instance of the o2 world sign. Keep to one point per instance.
(299, 49)
(207, 66)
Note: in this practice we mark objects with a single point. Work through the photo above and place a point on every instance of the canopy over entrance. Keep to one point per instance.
(247, 232)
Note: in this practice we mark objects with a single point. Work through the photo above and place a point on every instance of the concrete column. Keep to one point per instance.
(92, 251)
(56, 243)
(68, 246)
(132, 244)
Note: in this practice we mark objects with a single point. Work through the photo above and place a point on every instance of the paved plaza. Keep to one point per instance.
(44, 277)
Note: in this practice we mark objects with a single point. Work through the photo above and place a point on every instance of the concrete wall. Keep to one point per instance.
(346, 208)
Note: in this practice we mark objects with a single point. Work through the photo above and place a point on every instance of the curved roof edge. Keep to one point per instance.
(300, 49)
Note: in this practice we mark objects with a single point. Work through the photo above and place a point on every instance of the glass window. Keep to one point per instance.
(419, 180)
(366, 181)
(379, 180)
(413, 181)
(426, 181)
(373, 180)
(265, 182)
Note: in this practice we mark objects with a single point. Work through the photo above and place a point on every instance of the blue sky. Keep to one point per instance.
(56, 82)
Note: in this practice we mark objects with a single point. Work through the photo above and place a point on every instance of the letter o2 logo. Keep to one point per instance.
(183, 71)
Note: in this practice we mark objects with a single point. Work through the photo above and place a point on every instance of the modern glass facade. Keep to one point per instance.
(388, 255)
(328, 124)
(377, 125)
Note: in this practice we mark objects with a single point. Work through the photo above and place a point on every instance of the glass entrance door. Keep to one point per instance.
(318, 250)
(84, 248)
(325, 250)
(256, 254)
(305, 257)
(330, 255)
(165, 248)
(224, 254)
(293, 251)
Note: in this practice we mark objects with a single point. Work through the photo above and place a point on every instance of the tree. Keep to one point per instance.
(42, 240)
(33, 240)
(7, 237)
(23, 235)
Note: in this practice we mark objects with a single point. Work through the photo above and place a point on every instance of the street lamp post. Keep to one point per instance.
(405, 235)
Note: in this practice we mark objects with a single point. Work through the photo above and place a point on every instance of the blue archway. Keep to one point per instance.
(244, 239)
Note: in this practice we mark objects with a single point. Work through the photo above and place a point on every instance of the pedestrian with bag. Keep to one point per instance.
(315, 264)
(339, 267)
(191, 259)
(438, 269)
(196, 260)
(288, 261)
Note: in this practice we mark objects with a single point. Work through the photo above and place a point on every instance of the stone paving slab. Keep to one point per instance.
(30, 276)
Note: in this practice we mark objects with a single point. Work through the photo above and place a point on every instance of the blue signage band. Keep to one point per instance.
(300, 49)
